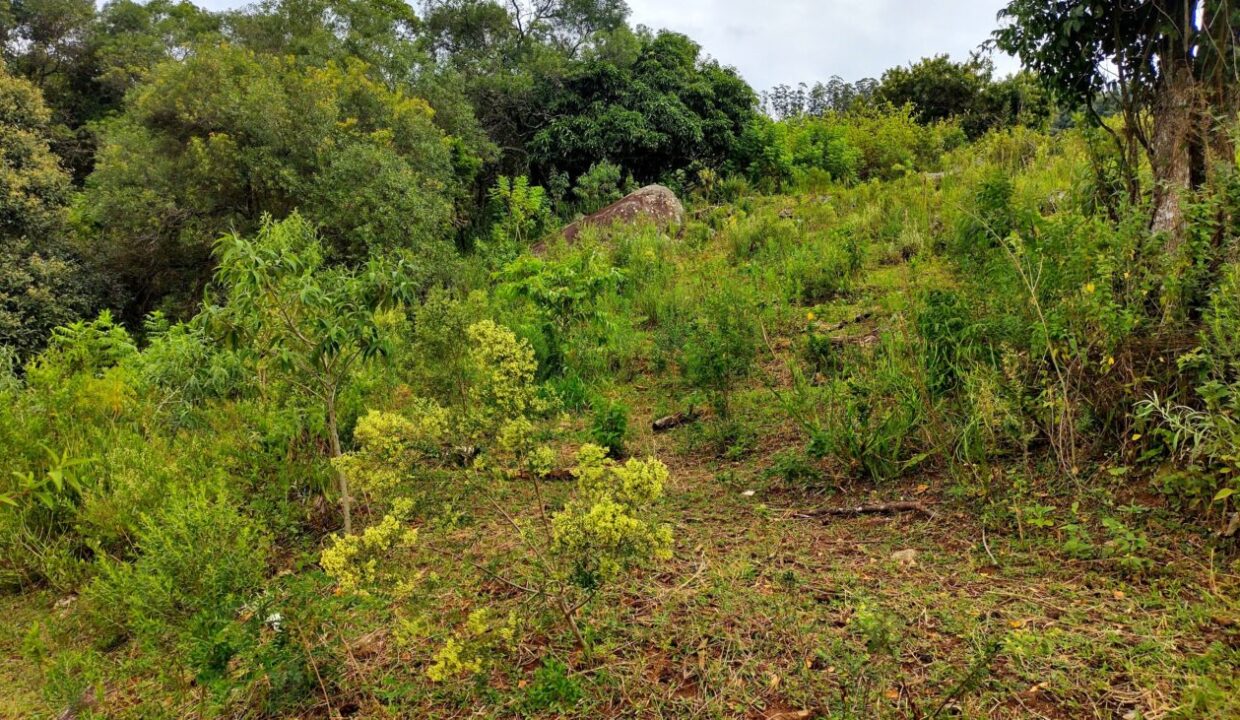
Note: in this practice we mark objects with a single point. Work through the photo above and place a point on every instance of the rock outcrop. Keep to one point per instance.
(654, 202)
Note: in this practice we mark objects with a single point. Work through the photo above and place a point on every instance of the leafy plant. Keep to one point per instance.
(311, 323)
(721, 346)
(522, 211)
(608, 426)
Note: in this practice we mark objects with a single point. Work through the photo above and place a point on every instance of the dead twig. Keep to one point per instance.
(891, 508)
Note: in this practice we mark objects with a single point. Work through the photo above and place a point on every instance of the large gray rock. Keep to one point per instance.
(653, 202)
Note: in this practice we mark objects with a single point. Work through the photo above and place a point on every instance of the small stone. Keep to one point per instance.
(905, 557)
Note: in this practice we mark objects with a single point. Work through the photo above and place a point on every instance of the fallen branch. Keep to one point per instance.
(880, 509)
(858, 318)
(675, 420)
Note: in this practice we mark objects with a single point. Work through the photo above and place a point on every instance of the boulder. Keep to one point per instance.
(653, 202)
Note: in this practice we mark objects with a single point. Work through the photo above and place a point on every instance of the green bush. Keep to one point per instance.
(609, 424)
(599, 186)
(868, 421)
(198, 560)
(721, 345)
(943, 325)
(553, 688)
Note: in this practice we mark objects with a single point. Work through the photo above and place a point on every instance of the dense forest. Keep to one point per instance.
(348, 368)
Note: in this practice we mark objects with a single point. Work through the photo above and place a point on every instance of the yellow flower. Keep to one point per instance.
(1089, 288)
(809, 316)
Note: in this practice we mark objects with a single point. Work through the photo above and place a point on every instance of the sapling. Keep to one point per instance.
(309, 322)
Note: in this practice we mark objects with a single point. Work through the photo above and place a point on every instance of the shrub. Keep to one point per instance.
(599, 186)
(721, 345)
(610, 525)
(553, 688)
(353, 561)
(502, 378)
(943, 325)
(819, 273)
(391, 446)
(866, 420)
(608, 425)
(522, 212)
(199, 559)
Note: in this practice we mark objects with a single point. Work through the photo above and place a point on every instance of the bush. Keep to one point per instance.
(943, 324)
(608, 426)
(868, 420)
(610, 525)
(721, 345)
(599, 186)
(199, 559)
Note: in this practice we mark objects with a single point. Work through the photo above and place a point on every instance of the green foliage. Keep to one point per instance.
(611, 525)
(309, 324)
(795, 469)
(522, 213)
(503, 378)
(42, 285)
(662, 112)
(722, 345)
(353, 561)
(943, 324)
(599, 186)
(440, 360)
(787, 153)
(497, 399)
(1204, 438)
(812, 151)
(199, 561)
(553, 688)
(559, 296)
(940, 89)
(212, 144)
(609, 424)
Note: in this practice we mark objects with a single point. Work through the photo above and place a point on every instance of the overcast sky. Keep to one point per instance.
(791, 41)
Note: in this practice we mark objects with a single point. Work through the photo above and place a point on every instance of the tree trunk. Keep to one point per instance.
(333, 432)
(1175, 149)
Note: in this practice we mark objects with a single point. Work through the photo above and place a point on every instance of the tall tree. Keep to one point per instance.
(1172, 65)
(669, 109)
(41, 284)
(84, 60)
(212, 143)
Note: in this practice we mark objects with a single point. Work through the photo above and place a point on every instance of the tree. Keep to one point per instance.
(669, 109)
(212, 144)
(310, 323)
(381, 33)
(41, 284)
(940, 89)
(84, 60)
(1171, 64)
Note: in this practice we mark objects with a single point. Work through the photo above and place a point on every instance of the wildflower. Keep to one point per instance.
(1089, 288)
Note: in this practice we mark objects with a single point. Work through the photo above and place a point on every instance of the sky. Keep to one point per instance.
(789, 41)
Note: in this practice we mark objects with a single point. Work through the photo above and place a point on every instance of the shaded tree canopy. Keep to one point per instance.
(41, 284)
(669, 109)
(211, 144)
